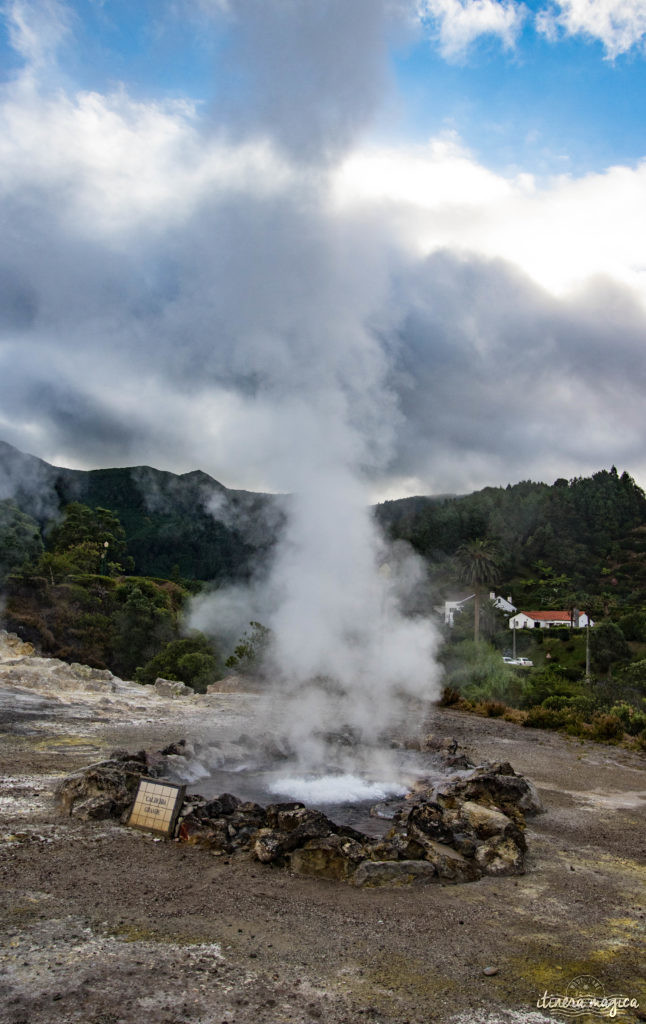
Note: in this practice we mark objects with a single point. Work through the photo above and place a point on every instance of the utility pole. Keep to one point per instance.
(587, 650)
(513, 633)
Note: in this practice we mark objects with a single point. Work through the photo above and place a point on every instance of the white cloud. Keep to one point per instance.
(121, 162)
(619, 25)
(36, 31)
(458, 23)
(560, 233)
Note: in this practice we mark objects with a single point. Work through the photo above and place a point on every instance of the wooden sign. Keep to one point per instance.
(157, 805)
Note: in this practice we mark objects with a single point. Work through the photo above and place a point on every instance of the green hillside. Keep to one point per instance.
(188, 525)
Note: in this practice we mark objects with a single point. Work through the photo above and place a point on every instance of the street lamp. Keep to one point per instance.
(104, 555)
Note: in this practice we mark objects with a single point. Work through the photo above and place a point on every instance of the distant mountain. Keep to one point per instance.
(590, 529)
(188, 522)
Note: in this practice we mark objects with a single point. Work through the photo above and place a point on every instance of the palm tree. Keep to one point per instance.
(478, 568)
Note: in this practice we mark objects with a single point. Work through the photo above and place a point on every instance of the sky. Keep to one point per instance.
(399, 242)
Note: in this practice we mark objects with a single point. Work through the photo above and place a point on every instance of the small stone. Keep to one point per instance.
(490, 971)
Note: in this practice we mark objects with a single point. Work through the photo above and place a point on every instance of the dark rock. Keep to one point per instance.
(98, 807)
(211, 836)
(273, 810)
(110, 786)
(464, 844)
(175, 748)
(250, 813)
(402, 872)
(268, 846)
(288, 820)
(427, 820)
(332, 857)
(224, 804)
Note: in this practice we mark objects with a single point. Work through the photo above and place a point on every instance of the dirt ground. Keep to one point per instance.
(105, 925)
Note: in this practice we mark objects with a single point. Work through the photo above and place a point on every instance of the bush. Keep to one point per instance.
(633, 626)
(190, 660)
(450, 697)
(581, 705)
(633, 721)
(491, 708)
(545, 718)
(606, 727)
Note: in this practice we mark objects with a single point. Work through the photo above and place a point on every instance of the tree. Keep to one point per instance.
(95, 530)
(478, 567)
(143, 624)
(251, 647)
(607, 646)
(191, 660)
(20, 539)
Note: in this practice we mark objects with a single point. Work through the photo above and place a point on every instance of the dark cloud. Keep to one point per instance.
(311, 75)
(494, 371)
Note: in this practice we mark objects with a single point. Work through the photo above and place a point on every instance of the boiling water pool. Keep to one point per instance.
(345, 795)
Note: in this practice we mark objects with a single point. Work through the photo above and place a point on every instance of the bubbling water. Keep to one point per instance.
(334, 789)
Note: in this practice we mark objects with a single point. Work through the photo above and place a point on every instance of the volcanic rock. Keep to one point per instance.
(402, 872)
(503, 854)
(212, 836)
(450, 865)
(427, 820)
(224, 804)
(498, 786)
(483, 821)
(330, 856)
(274, 810)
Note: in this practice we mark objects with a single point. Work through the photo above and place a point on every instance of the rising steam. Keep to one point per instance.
(345, 658)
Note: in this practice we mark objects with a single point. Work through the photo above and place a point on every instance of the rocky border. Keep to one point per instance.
(468, 826)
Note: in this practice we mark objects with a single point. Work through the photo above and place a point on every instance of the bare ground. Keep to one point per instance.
(105, 925)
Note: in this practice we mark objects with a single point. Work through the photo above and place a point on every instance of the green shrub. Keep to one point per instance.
(632, 720)
(579, 704)
(545, 718)
(606, 727)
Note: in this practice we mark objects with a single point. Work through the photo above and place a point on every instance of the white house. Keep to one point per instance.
(544, 620)
(453, 607)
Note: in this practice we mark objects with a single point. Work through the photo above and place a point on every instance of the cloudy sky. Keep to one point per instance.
(400, 239)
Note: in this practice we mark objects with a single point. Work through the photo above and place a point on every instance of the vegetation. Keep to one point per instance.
(105, 577)
(20, 539)
(191, 660)
(248, 653)
(477, 562)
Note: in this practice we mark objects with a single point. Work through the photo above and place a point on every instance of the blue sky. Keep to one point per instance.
(546, 107)
(401, 239)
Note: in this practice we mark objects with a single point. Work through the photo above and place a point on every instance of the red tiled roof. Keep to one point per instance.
(549, 616)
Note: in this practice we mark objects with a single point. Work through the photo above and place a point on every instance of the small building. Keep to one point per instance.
(545, 620)
(502, 603)
(453, 608)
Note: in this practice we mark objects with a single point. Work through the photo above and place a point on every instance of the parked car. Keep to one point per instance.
(525, 662)
(510, 661)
